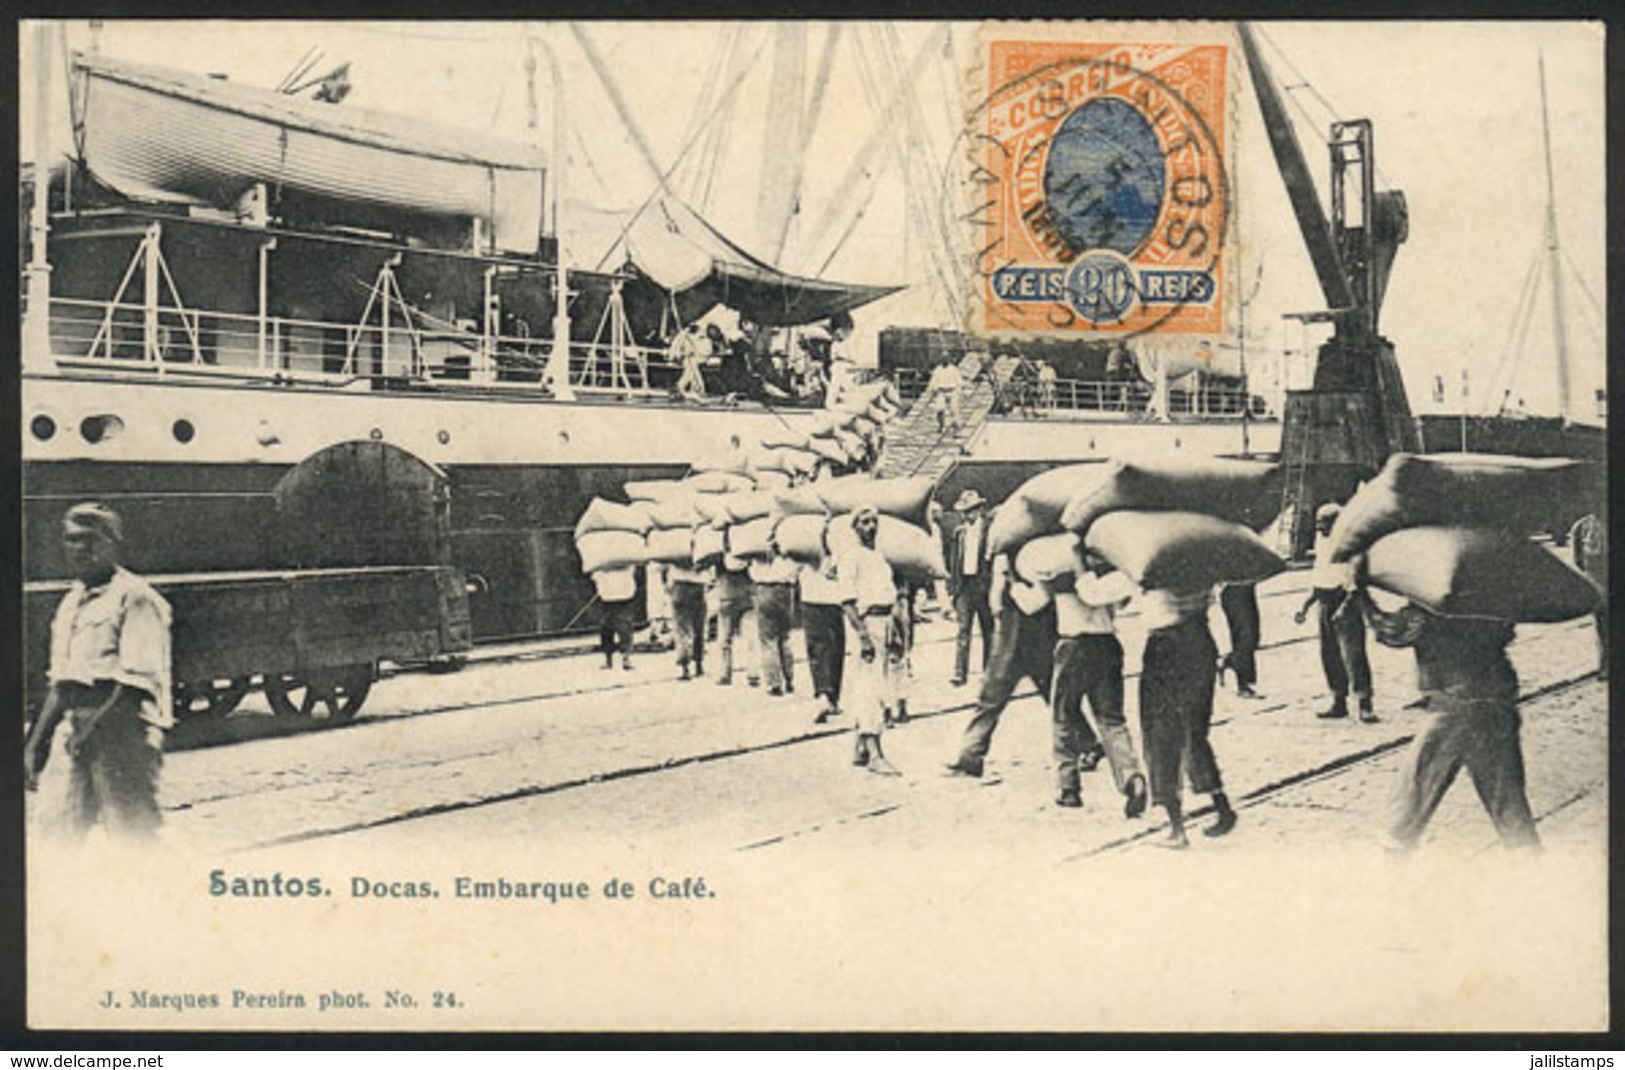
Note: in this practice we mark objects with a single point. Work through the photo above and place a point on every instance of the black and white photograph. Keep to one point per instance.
(1095, 527)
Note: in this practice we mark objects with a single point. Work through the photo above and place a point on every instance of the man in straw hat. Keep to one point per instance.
(970, 577)
(109, 683)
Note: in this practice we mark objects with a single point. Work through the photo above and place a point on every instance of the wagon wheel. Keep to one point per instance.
(208, 698)
(333, 695)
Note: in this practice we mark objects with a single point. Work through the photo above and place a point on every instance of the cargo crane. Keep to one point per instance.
(1356, 413)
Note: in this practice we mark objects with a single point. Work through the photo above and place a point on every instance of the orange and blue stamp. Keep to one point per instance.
(1103, 197)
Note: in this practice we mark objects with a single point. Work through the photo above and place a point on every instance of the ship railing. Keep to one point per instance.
(1067, 397)
(412, 351)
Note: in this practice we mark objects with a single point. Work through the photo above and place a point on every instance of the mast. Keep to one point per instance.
(556, 376)
(37, 327)
(1554, 257)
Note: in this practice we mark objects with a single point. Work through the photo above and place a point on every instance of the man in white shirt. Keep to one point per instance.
(1089, 664)
(869, 599)
(1342, 622)
(110, 683)
(617, 590)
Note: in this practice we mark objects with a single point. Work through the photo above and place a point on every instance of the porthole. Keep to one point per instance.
(100, 428)
(43, 427)
(183, 431)
(444, 438)
(376, 434)
(564, 437)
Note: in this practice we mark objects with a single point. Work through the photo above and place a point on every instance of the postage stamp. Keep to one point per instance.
(1103, 195)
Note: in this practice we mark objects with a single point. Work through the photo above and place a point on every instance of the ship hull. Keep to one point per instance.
(192, 466)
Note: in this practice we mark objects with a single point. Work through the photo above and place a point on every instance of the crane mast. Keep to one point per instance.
(1356, 412)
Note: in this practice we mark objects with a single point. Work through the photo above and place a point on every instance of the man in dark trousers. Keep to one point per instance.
(970, 572)
(1342, 623)
(1472, 691)
(1240, 604)
(824, 629)
(1023, 645)
(1176, 708)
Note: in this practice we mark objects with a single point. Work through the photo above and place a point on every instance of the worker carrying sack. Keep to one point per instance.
(912, 551)
(1519, 495)
(1479, 572)
(1181, 551)
(1242, 492)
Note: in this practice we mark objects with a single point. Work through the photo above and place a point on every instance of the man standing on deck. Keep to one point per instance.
(110, 682)
(942, 394)
(970, 575)
(869, 600)
(1342, 624)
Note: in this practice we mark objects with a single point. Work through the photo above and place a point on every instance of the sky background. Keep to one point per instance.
(1456, 108)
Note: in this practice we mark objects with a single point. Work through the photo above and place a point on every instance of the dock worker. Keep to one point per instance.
(1472, 691)
(686, 586)
(1588, 542)
(773, 593)
(734, 608)
(869, 599)
(824, 629)
(109, 684)
(1023, 645)
(617, 591)
(1176, 708)
(970, 576)
(1340, 601)
(1089, 664)
(1239, 601)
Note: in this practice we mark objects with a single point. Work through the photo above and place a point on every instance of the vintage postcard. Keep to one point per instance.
(1071, 526)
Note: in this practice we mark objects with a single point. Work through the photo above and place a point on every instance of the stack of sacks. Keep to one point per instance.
(611, 535)
(1034, 508)
(1175, 522)
(1171, 522)
(1450, 532)
(814, 519)
(1242, 492)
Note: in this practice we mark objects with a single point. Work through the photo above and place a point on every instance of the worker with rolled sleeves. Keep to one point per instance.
(869, 599)
(109, 683)
(1340, 600)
